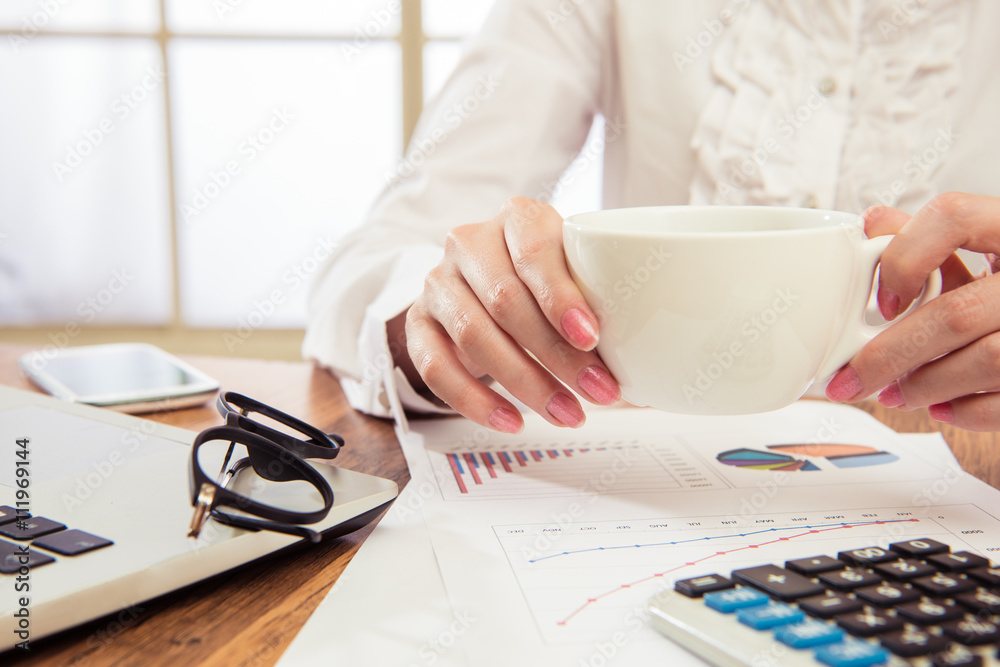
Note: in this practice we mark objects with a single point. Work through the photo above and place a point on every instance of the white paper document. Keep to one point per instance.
(544, 548)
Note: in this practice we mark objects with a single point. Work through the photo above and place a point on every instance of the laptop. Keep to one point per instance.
(110, 493)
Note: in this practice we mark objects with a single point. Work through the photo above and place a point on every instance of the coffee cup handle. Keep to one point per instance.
(857, 332)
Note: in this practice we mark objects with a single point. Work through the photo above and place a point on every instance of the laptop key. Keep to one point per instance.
(15, 556)
(71, 542)
(8, 514)
(30, 528)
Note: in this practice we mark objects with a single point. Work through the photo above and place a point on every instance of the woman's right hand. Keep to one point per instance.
(502, 304)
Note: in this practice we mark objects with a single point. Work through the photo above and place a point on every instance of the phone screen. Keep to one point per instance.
(117, 371)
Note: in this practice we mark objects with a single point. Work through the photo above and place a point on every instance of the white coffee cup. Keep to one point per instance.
(726, 309)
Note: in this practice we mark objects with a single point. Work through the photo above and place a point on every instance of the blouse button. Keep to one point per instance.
(827, 85)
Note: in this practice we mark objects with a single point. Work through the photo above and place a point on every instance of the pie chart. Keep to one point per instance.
(788, 458)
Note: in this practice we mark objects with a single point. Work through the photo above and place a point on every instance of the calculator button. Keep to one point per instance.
(919, 548)
(972, 632)
(867, 556)
(8, 514)
(912, 642)
(988, 576)
(778, 582)
(850, 579)
(814, 565)
(698, 586)
(869, 623)
(930, 612)
(887, 595)
(736, 598)
(980, 600)
(956, 656)
(12, 558)
(770, 615)
(33, 527)
(852, 653)
(828, 606)
(808, 633)
(71, 542)
(903, 570)
(960, 560)
(944, 585)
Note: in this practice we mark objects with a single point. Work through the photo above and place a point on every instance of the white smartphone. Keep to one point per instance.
(128, 377)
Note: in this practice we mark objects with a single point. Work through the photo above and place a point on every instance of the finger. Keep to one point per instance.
(512, 306)
(458, 311)
(533, 234)
(971, 369)
(439, 367)
(949, 221)
(882, 221)
(978, 412)
(947, 323)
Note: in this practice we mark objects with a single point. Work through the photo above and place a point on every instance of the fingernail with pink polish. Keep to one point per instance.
(580, 329)
(599, 385)
(844, 386)
(891, 396)
(942, 412)
(888, 302)
(506, 421)
(566, 410)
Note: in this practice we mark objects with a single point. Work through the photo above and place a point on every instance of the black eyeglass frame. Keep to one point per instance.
(265, 446)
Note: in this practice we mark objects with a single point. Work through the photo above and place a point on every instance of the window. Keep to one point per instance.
(182, 166)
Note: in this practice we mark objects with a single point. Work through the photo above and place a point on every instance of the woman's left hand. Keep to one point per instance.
(944, 356)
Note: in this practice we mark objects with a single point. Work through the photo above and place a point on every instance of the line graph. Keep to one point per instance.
(580, 579)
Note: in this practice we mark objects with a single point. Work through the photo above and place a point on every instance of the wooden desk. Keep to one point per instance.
(249, 616)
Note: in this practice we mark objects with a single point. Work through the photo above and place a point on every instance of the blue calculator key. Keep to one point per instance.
(808, 634)
(735, 598)
(852, 653)
(771, 615)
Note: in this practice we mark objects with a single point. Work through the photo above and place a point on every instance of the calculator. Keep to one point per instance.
(916, 604)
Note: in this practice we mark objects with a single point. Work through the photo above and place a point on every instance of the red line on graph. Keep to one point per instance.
(472, 468)
(503, 460)
(552, 454)
(520, 458)
(605, 594)
(489, 466)
(535, 455)
(568, 452)
(453, 460)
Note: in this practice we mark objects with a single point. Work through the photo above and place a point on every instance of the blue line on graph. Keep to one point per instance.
(717, 537)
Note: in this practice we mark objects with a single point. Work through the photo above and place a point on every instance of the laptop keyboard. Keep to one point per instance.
(42, 533)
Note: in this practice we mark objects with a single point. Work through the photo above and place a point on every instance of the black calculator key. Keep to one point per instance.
(912, 642)
(828, 606)
(887, 595)
(980, 600)
(850, 579)
(944, 585)
(960, 560)
(8, 514)
(930, 612)
(869, 622)
(778, 582)
(33, 527)
(71, 542)
(698, 586)
(987, 576)
(905, 569)
(972, 631)
(814, 565)
(919, 548)
(956, 656)
(867, 556)
(12, 557)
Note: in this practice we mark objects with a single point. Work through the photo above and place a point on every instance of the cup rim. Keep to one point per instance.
(584, 222)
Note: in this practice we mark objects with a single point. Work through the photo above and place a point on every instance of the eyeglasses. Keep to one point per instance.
(272, 487)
